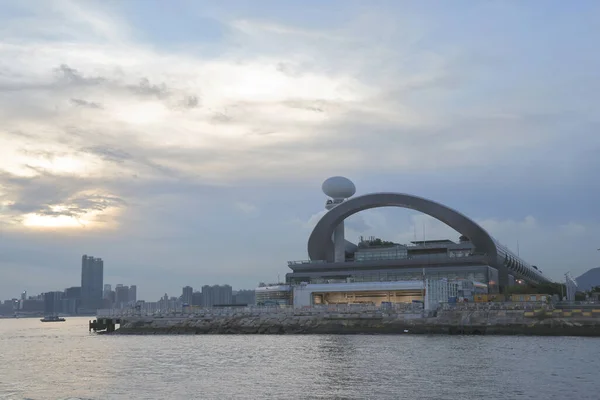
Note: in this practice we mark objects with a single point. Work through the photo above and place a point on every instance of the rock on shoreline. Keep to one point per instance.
(454, 322)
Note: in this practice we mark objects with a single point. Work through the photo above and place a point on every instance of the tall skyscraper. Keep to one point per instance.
(186, 295)
(92, 280)
(121, 296)
(107, 290)
(133, 293)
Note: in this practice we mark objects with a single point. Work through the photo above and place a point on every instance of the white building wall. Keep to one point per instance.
(302, 296)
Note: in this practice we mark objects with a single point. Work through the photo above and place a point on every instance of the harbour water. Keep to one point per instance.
(63, 361)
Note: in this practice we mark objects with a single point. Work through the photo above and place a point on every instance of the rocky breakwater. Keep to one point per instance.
(288, 322)
(514, 322)
(502, 322)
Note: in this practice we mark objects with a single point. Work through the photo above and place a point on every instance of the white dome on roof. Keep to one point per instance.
(338, 187)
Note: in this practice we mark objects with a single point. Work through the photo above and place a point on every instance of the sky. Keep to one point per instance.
(185, 142)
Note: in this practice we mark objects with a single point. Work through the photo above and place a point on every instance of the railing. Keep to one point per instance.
(496, 306)
(577, 303)
(302, 262)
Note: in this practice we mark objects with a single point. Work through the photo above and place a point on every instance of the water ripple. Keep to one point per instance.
(63, 361)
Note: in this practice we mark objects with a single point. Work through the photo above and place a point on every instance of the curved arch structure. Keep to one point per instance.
(321, 247)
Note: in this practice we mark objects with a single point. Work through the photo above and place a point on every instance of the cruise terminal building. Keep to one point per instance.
(375, 272)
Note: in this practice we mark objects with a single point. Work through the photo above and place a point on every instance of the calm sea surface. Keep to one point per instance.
(63, 361)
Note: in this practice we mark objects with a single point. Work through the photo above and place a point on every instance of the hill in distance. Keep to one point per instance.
(589, 279)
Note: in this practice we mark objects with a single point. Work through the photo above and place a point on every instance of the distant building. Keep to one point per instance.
(196, 299)
(216, 295)
(52, 303)
(71, 300)
(73, 292)
(133, 294)
(186, 295)
(32, 305)
(106, 292)
(121, 296)
(7, 308)
(168, 304)
(244, 297)
(92, 280)
(69, 306)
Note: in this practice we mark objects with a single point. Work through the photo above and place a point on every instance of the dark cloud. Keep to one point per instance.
(42, 193)
(191, 101)
(162, 92)
(108, 153)
(72, 76)
(145, 88)
(85, 103)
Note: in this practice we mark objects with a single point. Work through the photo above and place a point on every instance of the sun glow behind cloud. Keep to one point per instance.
(59, 165)
(58, 221)
(141, 114)
(62, 219)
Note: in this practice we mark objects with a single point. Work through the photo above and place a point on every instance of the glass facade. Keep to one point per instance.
(386, 253)
(483, 274)
(278, 296)
(459, 253)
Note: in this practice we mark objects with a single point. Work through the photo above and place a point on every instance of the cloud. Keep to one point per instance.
(108, 154)
(48, 200)
(70, 76)
(85, 103)
(144, 88)
(104, 125)
(246, 208)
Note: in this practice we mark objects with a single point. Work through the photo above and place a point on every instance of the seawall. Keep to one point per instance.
(489, 322)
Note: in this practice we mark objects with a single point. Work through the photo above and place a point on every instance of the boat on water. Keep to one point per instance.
(53, 318)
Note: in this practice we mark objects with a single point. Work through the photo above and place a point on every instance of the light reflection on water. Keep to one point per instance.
(61, 361)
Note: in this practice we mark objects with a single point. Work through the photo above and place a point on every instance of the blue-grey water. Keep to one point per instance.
(64, 361)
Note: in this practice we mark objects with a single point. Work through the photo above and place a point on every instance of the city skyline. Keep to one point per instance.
(189, 148)
(94, 294)
(88, 275)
